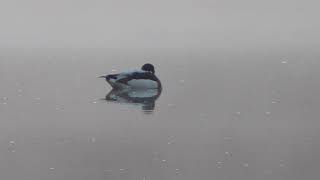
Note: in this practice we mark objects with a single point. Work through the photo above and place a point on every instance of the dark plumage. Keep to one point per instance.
(140, 79)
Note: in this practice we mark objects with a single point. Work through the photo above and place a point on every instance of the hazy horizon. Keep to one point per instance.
(243, 25)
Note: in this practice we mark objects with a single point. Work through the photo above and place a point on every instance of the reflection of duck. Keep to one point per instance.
(146, 97)
(138, 79)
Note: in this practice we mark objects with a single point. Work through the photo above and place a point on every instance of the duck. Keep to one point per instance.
(143, 78)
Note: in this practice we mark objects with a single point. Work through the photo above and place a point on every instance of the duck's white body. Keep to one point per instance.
(135, 79)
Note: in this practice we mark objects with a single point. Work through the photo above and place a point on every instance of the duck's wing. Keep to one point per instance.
(126, 77)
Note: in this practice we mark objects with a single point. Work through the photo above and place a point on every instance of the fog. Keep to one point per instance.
(240, 97)
(221, 24)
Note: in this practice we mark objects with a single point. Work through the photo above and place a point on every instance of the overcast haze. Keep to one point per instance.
(240, 97)
(226, 24)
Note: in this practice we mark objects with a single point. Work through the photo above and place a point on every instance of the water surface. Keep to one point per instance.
(241, 116)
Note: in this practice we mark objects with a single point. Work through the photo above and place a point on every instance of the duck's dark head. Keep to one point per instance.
(148, 67)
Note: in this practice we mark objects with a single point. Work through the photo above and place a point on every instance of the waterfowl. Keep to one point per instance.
(144, 78)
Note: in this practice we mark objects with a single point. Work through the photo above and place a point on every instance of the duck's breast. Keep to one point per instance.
(143, 83)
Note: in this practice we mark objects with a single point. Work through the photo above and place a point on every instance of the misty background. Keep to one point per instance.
(230, 25)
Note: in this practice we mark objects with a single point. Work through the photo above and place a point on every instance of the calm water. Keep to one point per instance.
(226, 116)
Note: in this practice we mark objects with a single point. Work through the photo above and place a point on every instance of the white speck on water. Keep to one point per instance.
(170, 142)
(171, 105)
(219, 164)
(12, 143)
(238, 113)
(284, 62)
(245, 165)
(164, 161)
(267, 113)
(94, 102)
(274, 102)
(92, 140)
(228, 153)
(178, 171)
(52, 169)
(114, 70)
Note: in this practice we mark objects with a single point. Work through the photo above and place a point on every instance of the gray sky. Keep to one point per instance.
(159, 24)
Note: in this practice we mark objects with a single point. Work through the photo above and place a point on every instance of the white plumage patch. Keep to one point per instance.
(143, 83)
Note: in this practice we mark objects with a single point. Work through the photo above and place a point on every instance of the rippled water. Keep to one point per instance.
(241, 116)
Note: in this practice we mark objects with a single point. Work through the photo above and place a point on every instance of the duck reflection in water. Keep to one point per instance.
(145, 98)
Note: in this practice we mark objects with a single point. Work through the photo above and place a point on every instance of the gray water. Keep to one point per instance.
(220, 115)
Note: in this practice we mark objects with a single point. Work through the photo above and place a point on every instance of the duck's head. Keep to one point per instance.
(148, 67)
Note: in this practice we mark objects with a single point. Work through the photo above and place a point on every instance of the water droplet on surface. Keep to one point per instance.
(245, 165)
(219, 164)
(92, 140)
(164, 161)
(170, 142)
